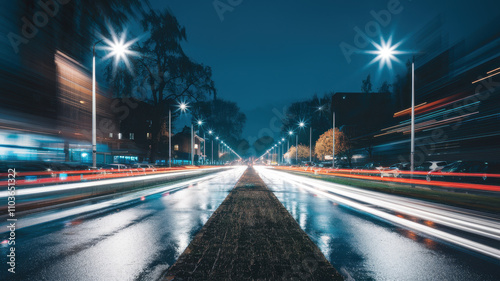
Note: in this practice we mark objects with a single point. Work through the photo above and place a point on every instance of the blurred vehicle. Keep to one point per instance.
(457, 172)
(431, 166)
(114, 168)
(395, 170)
(144, 167)
(308, 164)
(375, 167)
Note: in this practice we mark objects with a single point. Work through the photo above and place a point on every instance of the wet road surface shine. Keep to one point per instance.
(132, 242)
(363, 247)
(251, 236)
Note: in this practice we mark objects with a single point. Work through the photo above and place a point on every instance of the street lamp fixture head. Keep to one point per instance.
(216, 138)
(302, 124)
(119, 49)
(386, 53)
(183, 106)
(200, 122)
(290, 133)
(210, 132)
(282, 139)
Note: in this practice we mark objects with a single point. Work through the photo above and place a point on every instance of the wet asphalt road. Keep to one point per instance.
(363, 247)
(140, 240)
(135, 241)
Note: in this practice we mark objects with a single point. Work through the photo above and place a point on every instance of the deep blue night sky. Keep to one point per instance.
(266, 54)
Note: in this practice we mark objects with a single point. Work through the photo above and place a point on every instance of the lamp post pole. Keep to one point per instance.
(94, 117)
(119, 50)
(279, 155)
(170, 138)
(283, 151)
(192, 145)
(333, 135)
(412, 155)
(297, 149)
(310, 143)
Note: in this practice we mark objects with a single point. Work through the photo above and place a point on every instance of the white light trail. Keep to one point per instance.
(363, 200)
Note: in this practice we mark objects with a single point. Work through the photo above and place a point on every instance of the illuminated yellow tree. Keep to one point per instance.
(325, 142)
(303, 152)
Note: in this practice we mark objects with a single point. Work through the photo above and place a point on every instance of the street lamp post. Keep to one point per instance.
(297, 149)
(283, 150)
(310, 144)
(217, 138)
(302, 125)
(170, 138)
(210, 132)
(192, 144)
(199, 126)
(119, 49)
(94, 117)
(412, 152)
(385, 54)
(333, 135)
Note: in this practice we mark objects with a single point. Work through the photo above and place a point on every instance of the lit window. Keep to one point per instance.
(195, 146)
(119, 136)
(131, 136)
(176, 147)
(110, 135)
(148, 135)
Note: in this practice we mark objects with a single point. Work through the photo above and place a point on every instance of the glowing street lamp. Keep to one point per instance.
(385, 52)
(210, 132)
(302, 125)
(119, 49)
(183, 106)
(385, 55)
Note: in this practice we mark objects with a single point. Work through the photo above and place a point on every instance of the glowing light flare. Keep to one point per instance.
(183, 106)
(385, 53)
(119, 49)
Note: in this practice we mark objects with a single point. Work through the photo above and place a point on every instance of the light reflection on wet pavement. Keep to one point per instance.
(362, 247)
(133, 242)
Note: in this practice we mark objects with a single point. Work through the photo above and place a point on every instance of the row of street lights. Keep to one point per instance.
(183, 107)
(119, 49)
(302, 125)
(386, 53)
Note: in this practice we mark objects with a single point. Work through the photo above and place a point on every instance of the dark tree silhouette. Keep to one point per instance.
(315, 112)
(385, 87)
(163, 72)
(225, 119)
(366, 85)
